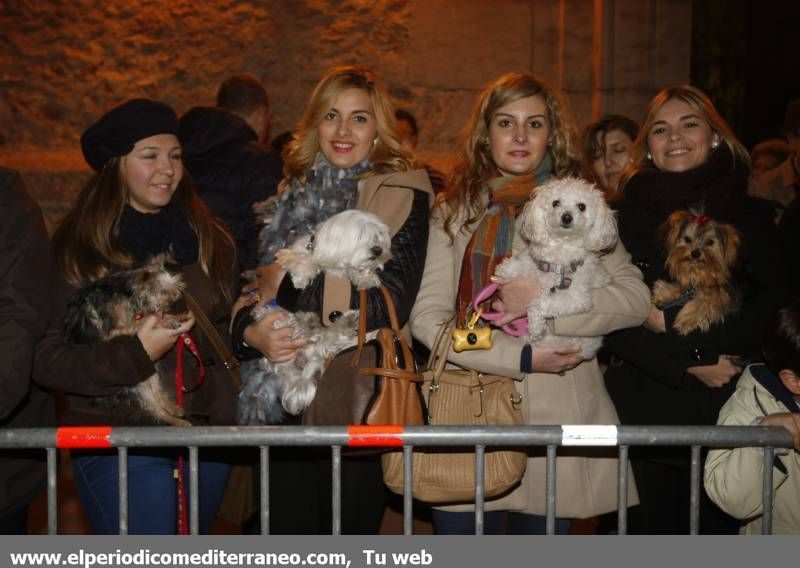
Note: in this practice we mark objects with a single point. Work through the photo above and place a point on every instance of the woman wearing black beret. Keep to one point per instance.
(139, 204)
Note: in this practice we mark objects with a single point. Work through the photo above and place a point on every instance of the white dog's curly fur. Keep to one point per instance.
(352, 244)
(567, 226)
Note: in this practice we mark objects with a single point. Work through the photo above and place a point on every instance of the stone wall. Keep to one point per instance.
(64, 62)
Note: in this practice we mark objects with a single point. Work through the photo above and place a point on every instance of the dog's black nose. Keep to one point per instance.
(376, 251)
(566, 219)
(695, 254)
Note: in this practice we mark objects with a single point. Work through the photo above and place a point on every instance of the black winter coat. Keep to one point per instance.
(26, 273)
(647, 377)
(230, 170)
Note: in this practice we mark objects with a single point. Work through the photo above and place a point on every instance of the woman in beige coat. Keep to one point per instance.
(519, 132)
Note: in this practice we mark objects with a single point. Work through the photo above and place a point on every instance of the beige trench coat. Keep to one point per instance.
(585, 486)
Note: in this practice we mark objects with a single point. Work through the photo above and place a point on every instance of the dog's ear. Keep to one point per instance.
(731, 239)
(673, 227)
(603, 233)
(534, 223)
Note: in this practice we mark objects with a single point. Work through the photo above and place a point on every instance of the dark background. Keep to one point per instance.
(746, 56)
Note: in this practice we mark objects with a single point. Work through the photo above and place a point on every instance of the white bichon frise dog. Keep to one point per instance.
(351, 244)
(567, 226)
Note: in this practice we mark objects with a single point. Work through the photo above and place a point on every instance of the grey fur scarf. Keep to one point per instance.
(301, 207)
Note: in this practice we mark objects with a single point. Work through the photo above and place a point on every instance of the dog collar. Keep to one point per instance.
(562, 269)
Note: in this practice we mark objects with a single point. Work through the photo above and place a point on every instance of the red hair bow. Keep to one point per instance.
(701, 219)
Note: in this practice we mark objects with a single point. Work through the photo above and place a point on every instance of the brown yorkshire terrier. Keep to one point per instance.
(114, 305)
(701, 254)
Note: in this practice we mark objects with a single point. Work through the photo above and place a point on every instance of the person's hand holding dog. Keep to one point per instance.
(513, 297)
(276, 345)
(156, 339)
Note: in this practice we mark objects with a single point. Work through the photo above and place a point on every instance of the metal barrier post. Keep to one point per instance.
(550, 508)
(480, 480)
(408, 484)
(336, 474)
(694, 493)
(766, 501)
(122, 455)
(52, 491)
(194, 493)
(622, 492)
(264, 493)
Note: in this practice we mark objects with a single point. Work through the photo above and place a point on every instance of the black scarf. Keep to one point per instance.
(719, 186)
(144, 235)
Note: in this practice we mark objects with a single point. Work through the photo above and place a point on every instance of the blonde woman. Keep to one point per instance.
(519, 136)
(686, 156)
(345, 154)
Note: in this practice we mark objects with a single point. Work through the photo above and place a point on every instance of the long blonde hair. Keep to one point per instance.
(387, 155)
(86, 245)
(700, 103)
(474, 166)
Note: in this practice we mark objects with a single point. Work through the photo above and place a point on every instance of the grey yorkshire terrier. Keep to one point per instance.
(351, 244)
(113, 306)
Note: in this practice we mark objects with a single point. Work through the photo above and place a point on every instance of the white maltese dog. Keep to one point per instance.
(567, 226)
(351, 244)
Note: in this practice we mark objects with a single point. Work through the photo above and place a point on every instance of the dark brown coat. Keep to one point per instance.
(85, 372)
(26, 269)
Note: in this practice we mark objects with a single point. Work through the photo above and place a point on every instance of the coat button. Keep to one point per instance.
(697, 354)
(334, 315)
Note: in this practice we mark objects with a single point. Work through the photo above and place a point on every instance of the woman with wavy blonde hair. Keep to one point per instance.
(345, 154)
(519, 136)
(475, 165)
(387, 153)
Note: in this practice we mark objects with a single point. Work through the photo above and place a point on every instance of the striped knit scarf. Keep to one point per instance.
(492, 241)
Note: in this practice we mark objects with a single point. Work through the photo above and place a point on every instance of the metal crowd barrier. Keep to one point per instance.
(337, 437)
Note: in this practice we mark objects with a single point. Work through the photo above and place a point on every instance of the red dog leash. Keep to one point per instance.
(185, 342)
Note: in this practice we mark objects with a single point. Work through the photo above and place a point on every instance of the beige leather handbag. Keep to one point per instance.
(455, 397)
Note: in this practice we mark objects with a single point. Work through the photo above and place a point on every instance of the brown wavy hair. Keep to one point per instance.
(474, 166)
(85, 243)
(387, 155)
(700, 103)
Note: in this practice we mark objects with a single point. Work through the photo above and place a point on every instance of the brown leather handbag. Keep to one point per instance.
(374, 382)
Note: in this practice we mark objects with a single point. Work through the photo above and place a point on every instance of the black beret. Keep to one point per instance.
(121, 127)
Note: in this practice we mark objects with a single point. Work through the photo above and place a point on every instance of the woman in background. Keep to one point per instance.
(607, 150)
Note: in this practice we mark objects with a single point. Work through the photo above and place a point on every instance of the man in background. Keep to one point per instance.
(225, 154)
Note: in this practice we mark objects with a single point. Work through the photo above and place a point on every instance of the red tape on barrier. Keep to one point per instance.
(83, 437)
(375, 436)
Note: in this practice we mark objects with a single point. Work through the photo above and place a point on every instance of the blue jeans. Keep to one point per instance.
(152, 491)
(447, 522)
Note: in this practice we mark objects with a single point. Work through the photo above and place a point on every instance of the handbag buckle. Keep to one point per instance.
(516, 402)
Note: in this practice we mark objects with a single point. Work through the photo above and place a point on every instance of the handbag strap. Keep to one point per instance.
(231, 363)
(434, 353)
(362, 315)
